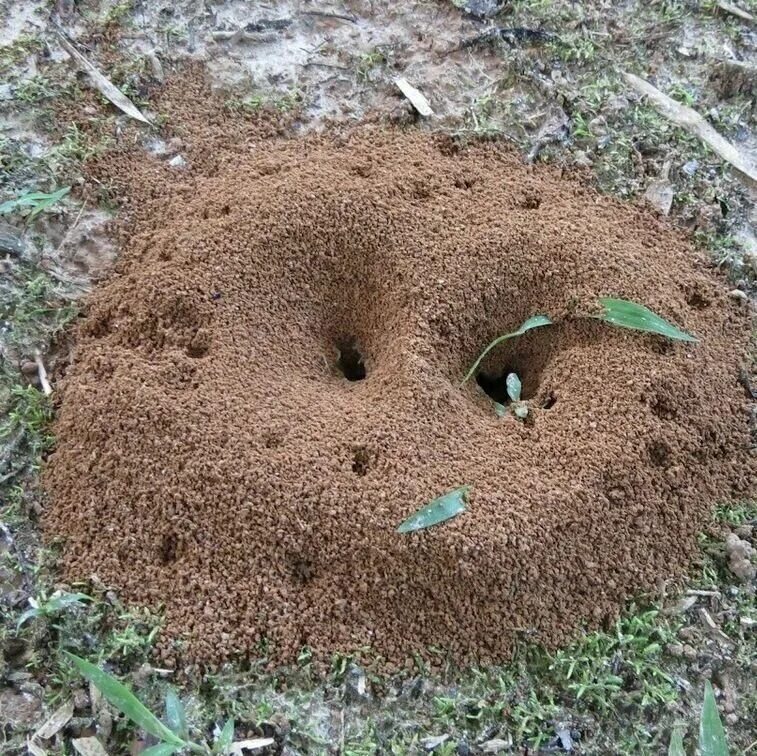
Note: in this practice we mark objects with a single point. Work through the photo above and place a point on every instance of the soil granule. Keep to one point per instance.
(270, 383)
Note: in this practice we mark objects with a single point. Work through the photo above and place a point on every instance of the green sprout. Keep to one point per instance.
(50, 606)
(37, 201)
(173, 736)
(617, 312)
(712, 740)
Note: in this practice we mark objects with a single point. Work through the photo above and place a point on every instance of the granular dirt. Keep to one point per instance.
(270, 383)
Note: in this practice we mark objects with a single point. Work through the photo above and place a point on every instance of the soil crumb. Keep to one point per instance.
(269, 383)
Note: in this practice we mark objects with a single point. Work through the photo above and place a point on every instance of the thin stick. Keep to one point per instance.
(329, 14)
(47, 389)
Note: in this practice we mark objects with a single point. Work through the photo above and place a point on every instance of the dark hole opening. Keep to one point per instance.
(549, 402)
(350, 362)
(168, 548)
(697, 301)
(494, 386)
(360, 461)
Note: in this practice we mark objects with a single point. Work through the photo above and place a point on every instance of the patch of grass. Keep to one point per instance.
(118, 13)
(25, 427)
(683, 94)
(35, 308)
(368, 62)
(76, 147)
(727, 252)
(11, 55)
(35, 89)
(283, 102)
(574, 48)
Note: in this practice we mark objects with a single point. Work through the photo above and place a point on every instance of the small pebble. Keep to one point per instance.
(738, 295)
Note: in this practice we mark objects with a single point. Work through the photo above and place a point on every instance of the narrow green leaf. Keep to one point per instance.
(175, 715)
(162, 749)
(49, 201)
(712, 741)
(512, 382)
(124, 700)
(225, 738)
(535, 322)
(26, 616)
(437, 511)
(676, 743)
(39, 201)
(56, 603)
(500, 409)
(625, 314)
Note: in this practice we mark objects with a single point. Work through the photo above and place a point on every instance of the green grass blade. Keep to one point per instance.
(535, 322)
(162, 749)
(676, 743)
(124, 700)
(57, 603)
(39, 201)
(625, 314)
(26, 616)
(176, 717)
(225, 738)
(712, 740)
(49, 201)
(437, 511)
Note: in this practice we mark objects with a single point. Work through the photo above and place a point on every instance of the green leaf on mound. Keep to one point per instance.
(437, 511)
(676, 743)
(625, 314)
(535, 322)
(124, 700)
(225, 738)
(712, 740)
(176, 717)
(162, 749)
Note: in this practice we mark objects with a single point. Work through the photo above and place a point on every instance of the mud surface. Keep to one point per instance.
(213, 455)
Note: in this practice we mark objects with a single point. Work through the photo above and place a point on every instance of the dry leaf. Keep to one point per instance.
(659, 193)
(34, 749)
(417, 100)
(690, 120)
(235, 749)
(56, 721)
(734, 10)
(105, 86)
(712, 626)
(89, 747)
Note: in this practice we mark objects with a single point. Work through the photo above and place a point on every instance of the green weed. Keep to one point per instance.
(49, 606)
(35, 89)
(32, 204)
(616, 312)
(368, 62)
(11, 55)
(174, 736)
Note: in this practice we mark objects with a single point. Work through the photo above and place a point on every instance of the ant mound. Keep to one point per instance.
(271, 382)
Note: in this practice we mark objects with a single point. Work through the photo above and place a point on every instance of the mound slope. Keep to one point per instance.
(220, 452)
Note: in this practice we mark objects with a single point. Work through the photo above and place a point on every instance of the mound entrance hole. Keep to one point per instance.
(350, 361)
(494, 384)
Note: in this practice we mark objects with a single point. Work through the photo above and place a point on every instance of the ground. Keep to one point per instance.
(553, 85)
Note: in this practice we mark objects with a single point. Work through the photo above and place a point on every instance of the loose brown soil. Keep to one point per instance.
(213, 457)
